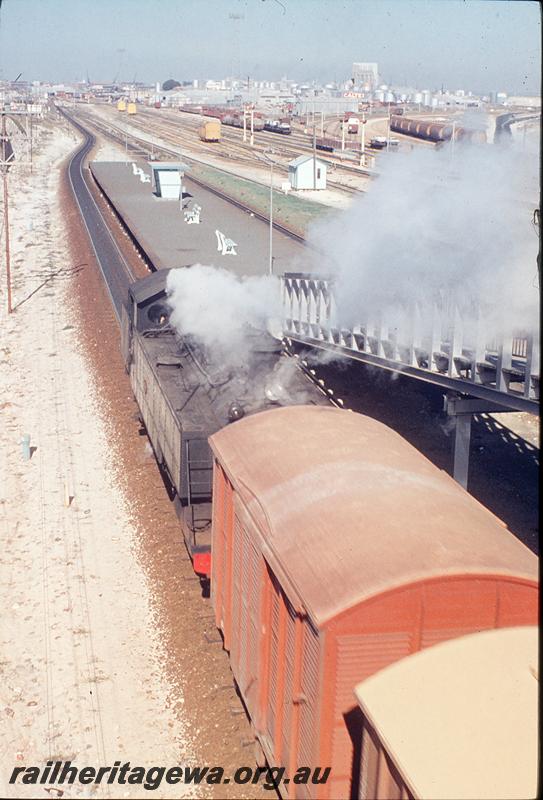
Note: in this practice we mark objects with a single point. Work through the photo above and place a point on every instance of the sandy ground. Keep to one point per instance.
(80, 661)
(141, 127)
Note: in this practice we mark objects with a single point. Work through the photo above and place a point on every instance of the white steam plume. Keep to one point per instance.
(216, 307)
(437, 228)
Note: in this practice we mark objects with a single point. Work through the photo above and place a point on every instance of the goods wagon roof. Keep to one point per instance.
(350, 509)
(476, 739)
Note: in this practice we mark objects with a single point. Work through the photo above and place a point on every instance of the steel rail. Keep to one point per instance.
(248, 209)
(113, 266)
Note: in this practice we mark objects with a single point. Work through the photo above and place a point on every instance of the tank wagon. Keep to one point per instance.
(478, 737)
(434, 131)
(338, 549)
(210, 131)
(184, 395)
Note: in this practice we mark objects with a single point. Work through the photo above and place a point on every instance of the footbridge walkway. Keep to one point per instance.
(479, 373)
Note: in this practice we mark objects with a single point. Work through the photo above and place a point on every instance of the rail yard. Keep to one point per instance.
(270, 443)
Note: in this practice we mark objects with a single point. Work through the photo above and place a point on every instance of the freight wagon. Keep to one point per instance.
(185, 393)
(330, 144)
(278, 126)
(339, 549)
(210, 131)
(456, 720)
(353, 124)
(227, 115)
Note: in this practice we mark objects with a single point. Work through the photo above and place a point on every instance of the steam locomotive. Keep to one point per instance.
(184, 395)
(338, 549)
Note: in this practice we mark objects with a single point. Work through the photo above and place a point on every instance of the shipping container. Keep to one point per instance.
(339, 549)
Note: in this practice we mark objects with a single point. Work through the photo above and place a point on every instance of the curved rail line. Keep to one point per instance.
(115, 271)
(228, 198)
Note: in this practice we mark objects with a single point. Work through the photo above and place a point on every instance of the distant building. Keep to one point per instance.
(301, 174)
(526, 101)
(366, 75)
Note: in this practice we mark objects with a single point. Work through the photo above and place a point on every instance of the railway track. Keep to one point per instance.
(140, 147)
(232, 148)
(301, 142)
(115, 270)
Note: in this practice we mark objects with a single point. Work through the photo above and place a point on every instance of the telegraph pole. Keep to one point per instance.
(7, 156)
(270, 268)
(6, 161)
(388, 131)
(314, 155)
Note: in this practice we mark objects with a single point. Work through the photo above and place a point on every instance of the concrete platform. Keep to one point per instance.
(168, 241)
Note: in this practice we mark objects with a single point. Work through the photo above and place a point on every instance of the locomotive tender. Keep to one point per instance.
(184, 395)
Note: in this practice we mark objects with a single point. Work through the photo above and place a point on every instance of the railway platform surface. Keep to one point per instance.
(168, 241)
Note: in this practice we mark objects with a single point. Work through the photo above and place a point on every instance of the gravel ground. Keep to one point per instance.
(82, 657)
(108, 646)
(197, 668)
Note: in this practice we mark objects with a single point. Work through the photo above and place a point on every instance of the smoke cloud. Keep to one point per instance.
(217, 307)
(451, 227)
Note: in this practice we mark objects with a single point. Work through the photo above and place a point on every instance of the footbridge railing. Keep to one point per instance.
(438, 346)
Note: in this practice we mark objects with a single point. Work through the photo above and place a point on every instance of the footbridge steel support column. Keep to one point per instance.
(463, 409)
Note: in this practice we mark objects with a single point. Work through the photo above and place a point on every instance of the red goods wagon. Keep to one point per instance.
(339, 549)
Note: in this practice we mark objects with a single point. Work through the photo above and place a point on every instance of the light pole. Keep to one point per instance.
(271, 162)
(388, 132)
(270, 266)
(363, 142)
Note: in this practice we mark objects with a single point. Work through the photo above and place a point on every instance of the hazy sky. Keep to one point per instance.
(475, 44)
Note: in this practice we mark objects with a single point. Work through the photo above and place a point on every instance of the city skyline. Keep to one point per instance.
(318, 40)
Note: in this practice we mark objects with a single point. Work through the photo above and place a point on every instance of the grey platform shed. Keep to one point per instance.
(168, 178)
